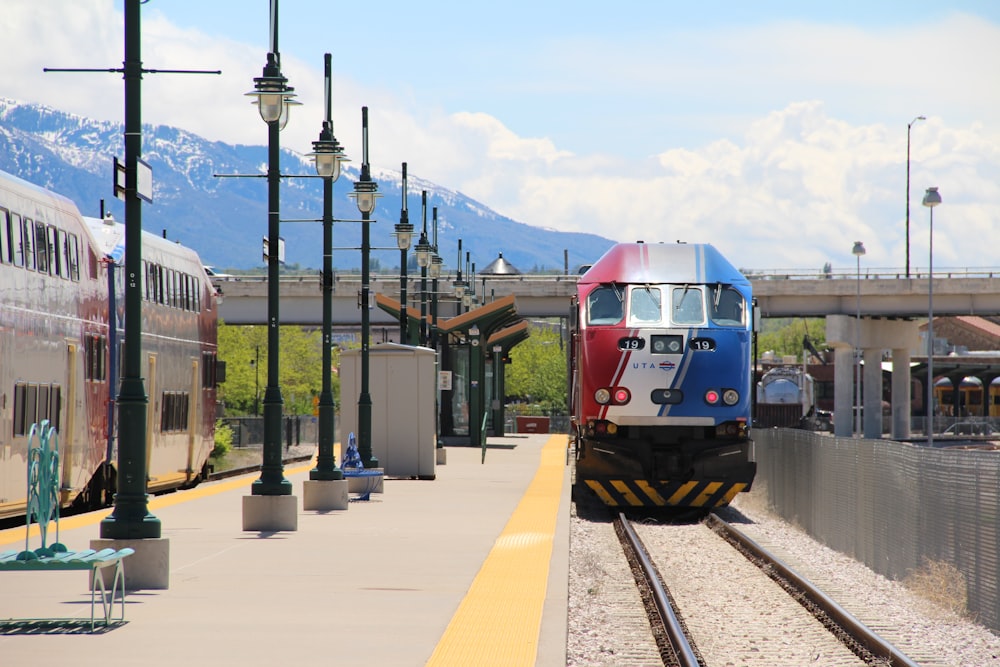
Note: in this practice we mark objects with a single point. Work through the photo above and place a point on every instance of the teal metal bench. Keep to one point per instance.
(43, 509)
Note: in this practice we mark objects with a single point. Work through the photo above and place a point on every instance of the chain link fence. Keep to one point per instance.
(893, 506)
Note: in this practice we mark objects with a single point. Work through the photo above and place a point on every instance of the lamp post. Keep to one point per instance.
(424, 251)
(908, 127)
(365, 194)
(459, 285)
(404, 235)
(131, 518)
(931, 199)
(255, 362)
(273, 97)
(435, 273)
(328, 154)
(858, 250)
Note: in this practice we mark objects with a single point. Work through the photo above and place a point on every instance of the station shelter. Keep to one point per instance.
(472, 349)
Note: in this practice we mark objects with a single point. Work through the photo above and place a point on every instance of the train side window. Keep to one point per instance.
(728, 308)
(644, 305)
(4, 236)
(41, 248)
(688, 306)
(28, 243)
(25, 410)
(73, 257)
(604, 305)
(54, 251)
(95, 357)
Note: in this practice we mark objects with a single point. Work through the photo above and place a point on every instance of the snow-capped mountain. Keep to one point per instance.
(225, 218)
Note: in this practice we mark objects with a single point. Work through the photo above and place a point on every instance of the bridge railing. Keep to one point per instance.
(888, 273)
(870, 273)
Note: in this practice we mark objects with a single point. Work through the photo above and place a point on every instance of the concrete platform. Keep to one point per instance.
(408, 577)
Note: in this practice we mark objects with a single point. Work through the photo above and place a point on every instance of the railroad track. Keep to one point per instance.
(722, 609)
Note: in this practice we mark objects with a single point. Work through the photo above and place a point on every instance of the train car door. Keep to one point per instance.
(67, 429)
(152, 410)
(194, 417)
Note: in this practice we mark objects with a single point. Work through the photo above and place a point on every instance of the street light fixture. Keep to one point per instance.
(908, 127)
(858, 250)
(328, 155)
(931, 199)
(404, 236)
(365, 195)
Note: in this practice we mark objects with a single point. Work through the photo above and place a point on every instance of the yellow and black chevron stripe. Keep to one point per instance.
(645, 493)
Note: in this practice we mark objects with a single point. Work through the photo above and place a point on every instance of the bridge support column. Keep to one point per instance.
(902, 397)
(872, 394)
(843, 389)
(900, 336)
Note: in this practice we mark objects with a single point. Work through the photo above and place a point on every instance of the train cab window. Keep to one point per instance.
(687, 305)
(644, 305)
(604, 305)
(727, 306)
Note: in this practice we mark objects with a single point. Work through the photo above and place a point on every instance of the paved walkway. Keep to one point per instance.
(439, 572)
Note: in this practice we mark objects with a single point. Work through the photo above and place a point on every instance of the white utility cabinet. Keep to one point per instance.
(402, 382)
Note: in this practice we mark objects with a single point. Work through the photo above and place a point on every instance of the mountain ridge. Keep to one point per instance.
(196, 201)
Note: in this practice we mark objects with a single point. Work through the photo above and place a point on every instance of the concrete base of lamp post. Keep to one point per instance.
(270, 513)
(147, 569)
(324, 495)
(442, 456)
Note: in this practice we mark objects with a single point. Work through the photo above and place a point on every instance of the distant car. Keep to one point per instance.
(971, 428)
(215, 275)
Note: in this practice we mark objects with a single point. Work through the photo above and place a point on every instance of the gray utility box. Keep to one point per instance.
(402, 382)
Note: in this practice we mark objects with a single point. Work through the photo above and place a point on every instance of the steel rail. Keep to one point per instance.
(858, 631)
(679, 641)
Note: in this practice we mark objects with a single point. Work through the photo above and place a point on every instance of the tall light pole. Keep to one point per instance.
(424, 251)
(365, 193)
(131, 518)
(274, 97)
(908, 127)
(931, 199)
(328, 154)
(858, 250)
(404, 235)
(435, 273)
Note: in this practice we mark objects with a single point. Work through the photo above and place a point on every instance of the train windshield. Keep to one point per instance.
(604, 305)
(687, 305)
(644, 306)
(728, 307)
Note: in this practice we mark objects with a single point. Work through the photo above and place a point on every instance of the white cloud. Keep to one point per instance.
(807, 156)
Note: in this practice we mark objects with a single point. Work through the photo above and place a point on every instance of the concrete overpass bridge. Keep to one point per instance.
(881, 293)
(874, 311)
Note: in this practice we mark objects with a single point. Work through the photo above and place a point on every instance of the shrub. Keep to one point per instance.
(223, 440)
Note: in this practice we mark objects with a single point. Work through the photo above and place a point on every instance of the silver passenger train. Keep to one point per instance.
(62, 336)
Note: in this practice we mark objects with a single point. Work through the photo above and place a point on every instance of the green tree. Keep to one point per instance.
(244, 349)
(538, 368)
(784, 336)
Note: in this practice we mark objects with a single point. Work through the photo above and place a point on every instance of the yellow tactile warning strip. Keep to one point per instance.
(499, 620)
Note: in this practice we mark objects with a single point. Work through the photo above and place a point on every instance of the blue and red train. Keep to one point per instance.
(660, 377)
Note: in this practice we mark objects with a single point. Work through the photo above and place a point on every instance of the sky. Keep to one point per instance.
(775, 130)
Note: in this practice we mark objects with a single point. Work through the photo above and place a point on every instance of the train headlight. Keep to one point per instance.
(622, 396)
(712, 397)
(602, 396)
(730, 397)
